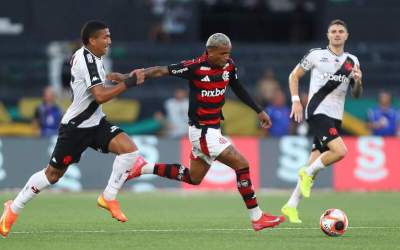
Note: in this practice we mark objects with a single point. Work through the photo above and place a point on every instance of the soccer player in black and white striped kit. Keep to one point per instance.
(84, 125)
(332, 71)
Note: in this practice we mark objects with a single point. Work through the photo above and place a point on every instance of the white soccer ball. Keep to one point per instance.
(333, 222)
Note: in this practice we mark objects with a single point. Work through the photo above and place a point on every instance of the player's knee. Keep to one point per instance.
(195, 181)
(341, 153)
(53, 174)
(243, 163)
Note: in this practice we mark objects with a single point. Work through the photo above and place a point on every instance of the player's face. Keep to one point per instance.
(219, 56)
(101, 42)
(337, 35)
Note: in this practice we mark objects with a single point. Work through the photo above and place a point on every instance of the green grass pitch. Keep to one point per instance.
(169, 220)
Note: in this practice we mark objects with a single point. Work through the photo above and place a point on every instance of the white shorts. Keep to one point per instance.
(208, 147)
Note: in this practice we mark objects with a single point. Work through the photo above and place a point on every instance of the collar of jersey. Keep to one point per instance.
(91, 53)
(327, 47)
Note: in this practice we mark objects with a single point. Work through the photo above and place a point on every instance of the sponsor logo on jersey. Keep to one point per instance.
(205, 79)
(213, 93)
(337, 78)
(205, 68)
(179, 71)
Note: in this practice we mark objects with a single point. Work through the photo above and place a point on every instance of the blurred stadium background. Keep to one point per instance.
(269, 38)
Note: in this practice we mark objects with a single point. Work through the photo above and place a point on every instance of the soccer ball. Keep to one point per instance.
(333, 222)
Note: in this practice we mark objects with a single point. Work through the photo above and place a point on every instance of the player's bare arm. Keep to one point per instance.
(297, 109)
(124, 81)
(156, 72)
(119, 77)
(357, 89)
(104, 94)
(245, 97)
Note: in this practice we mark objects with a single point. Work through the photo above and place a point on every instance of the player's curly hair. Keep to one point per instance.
(90, 29)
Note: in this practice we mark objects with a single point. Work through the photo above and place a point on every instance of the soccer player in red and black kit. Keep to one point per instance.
(209, 76)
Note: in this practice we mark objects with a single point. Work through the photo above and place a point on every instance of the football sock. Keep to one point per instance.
(247, 192)
(315, 167)
(121, 168)
(148, 168)
(172, 171)
(295, 197)
(35, 184)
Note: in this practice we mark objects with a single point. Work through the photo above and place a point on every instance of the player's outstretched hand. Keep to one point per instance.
(265, 120)
(116, 77)
(357, 74)
(139, 75)
(297, 112)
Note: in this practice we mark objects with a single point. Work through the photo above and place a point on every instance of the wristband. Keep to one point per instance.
(295, 98)
(131, 81)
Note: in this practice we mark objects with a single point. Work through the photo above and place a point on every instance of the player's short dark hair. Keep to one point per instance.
(90, 29)
(337, 22)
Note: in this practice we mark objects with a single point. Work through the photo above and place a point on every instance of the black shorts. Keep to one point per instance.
(72, 142)
(324, 129)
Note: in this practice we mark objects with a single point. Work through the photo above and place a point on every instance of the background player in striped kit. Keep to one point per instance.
(332, 71)
(208, 76)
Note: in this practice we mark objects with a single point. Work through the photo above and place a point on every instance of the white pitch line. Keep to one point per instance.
(184, 230)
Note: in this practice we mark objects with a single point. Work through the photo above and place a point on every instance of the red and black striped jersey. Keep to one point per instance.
(207, 87)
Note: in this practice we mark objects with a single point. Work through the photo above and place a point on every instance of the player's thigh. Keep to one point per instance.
(71, 143)
(198, 169)
(110, 138)
(121, 144)
(337, 145)
(233, 158)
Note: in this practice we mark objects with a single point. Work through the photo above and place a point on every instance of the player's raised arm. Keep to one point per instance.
(297, 109)
(356, 86)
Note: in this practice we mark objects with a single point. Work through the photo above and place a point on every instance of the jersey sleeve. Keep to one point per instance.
(89, 70)
(242, 93)
(183, 69)
(308, 61)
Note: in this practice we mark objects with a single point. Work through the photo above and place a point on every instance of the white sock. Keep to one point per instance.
(255, 213)
(315, 167)
(295, 197)
(121, 167)
(148, 168)
(35, 184)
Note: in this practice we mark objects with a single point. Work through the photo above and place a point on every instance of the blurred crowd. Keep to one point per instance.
(171, 120)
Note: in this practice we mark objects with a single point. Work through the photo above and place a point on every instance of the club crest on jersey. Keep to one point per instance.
(348, 66)
(213, 93)
(89, 58)
(225, 75)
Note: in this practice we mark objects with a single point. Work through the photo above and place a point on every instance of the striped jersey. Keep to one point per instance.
(87, 71)
(330, 77)
(207, 87)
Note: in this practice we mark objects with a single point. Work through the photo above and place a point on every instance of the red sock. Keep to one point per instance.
(173, 171)
(245, 187)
